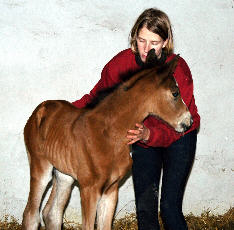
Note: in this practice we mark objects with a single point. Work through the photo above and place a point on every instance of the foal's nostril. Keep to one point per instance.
(185, 126)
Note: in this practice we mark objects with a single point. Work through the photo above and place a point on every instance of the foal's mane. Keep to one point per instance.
(127, 82)
(102, 94)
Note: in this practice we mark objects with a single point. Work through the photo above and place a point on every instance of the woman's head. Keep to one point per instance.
(152, 29)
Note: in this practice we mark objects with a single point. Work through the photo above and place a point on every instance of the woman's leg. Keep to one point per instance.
(146, 170)
(177, 163)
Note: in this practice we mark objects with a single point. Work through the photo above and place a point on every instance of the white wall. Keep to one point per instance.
(56, 50)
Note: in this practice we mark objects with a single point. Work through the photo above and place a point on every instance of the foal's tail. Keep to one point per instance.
(32, 130)
(38, 124)
(40, 114)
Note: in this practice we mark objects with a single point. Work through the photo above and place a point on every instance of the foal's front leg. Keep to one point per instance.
(89, 199)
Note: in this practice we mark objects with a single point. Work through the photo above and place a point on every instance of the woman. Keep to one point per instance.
(155, 146)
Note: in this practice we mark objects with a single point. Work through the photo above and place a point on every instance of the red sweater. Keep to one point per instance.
(161, 135)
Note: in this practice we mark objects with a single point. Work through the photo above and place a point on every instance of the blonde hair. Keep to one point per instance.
(157, 22)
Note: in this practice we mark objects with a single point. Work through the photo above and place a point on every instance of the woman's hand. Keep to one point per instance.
(141, 133)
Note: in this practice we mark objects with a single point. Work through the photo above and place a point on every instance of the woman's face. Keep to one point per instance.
(147, 40)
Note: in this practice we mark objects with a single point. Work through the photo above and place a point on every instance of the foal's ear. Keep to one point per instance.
(173, 63)
(151, 59)
(169, 67)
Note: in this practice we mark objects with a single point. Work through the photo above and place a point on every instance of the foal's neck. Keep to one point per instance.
(121, 111)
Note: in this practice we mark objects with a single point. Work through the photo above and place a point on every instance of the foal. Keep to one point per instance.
(90, 146)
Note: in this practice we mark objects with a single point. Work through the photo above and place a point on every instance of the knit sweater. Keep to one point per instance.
(124, 63)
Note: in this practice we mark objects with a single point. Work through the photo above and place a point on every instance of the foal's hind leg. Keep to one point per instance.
(61, 191)
(106, 208)
(40, 175)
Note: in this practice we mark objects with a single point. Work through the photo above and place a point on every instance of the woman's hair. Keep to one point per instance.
(155, 21)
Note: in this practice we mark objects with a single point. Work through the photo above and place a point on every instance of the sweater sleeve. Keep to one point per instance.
(161, 135)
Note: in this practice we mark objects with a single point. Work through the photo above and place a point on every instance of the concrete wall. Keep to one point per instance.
(57, 49)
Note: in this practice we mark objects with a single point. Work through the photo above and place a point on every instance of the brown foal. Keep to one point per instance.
(90, 146)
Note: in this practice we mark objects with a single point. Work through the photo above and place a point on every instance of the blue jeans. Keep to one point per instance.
(176, 162)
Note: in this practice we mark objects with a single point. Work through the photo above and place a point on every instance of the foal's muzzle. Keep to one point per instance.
(185, 126)
(185, 122)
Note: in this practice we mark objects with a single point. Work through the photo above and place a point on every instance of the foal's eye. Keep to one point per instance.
(175, 94)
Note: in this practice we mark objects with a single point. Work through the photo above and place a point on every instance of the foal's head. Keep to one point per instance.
(166, 102)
